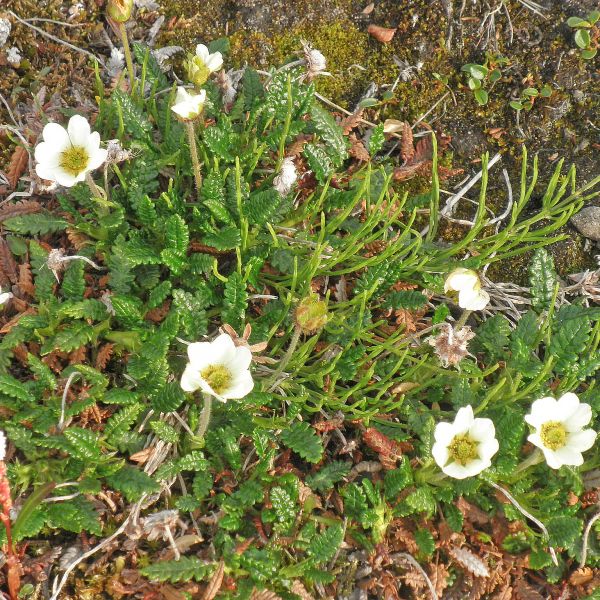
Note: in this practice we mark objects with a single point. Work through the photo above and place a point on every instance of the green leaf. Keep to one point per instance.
(40, 223)
(330, 132)
(576, 22)
(134, 121)
(83, 443)
(319, 162)
(481, 96)
(15, 389)
(563, 530)
(165, 432)
(324, 545)
(235, 301)
(582, 38)
(425, 541)
(376, 140)
(329, 475)
(516, 105)
(133, 483)
(398, 479)
(454, 517)
(253, 88)
(303, 440)
(588, 54)
(169, 398)
(407, 299)
(225, 239)
(187, 568)
(568, 343)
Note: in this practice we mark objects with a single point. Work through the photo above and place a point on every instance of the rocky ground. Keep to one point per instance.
(408, 55)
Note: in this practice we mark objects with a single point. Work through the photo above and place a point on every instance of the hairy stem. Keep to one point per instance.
(191, 134)
(205, 416)
(463, 319)
(128, 59)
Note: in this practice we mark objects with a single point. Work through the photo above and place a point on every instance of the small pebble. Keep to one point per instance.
(587, 222)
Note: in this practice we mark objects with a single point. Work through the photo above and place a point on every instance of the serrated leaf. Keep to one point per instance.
(329, 475)
(542, 278)
(187, 568)
(303, 440)
(169, 398)
(133, 483)
(324, 545)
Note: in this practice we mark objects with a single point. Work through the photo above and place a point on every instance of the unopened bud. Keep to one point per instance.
(119, 10)
(311, 314)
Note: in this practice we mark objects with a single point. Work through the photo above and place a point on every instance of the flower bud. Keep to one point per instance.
(119, 10)
(311, 314)
(196, 71)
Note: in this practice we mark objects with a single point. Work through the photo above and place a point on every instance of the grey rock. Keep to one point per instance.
(587, 222)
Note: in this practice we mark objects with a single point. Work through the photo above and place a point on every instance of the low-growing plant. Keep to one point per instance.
(481, 78)
(245, 213)
(587, 34)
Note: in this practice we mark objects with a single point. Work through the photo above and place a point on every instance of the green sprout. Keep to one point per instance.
(480, 77)
(528, 96)
(587, 34)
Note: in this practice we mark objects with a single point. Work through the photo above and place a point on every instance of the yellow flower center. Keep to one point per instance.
(554, 435)
(218, 377)
(74, 160)
(463, 449)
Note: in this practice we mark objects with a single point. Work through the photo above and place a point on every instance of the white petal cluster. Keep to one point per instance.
(465, 447)
(219, 368)
(4, 296)
(559, 429)
(286, 177)
(2, 445)
(67, 155)
(213, 62)
(467, 284)
(188, 106)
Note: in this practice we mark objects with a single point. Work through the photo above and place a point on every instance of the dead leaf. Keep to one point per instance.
(469, 561)
(581, 576)
(358, 150)
(368, 9)
(299, 589)
(8, 326)
(351, 121)
(392, 126)
(8, 266)
(103, 356)
(16, 209)
(389, 451)
(17, 165)
(214, 585)
(25, 282)
(526, 592)
(381, 34)
(264, 595)
(143, 455)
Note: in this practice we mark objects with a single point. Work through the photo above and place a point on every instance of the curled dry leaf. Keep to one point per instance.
(16, 209)
(390, 451)
(581, 576)
(469, 561)
(381, 34)
(17, 165)
(368, 9)
(526, 592)
(393, 126)
(214, 585)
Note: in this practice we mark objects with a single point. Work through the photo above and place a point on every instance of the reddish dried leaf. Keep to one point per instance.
(17, 165)
(358, 150)
(16, 209)
(351, 121)
(381, 34)
(78, 356)
(8, 326)
(103, 356)
(407, 149)
(264, 595)
(25, 282)
(214, 585)
(330, 424)
(7, 263)
(526, 592)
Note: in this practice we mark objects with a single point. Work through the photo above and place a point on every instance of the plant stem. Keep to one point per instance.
(286, 357)
(534, 458)
(128, 60)
(93, 187)
(191, 134)
(463, 319)
(205, 416)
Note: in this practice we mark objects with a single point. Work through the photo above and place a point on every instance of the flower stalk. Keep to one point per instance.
(205, 416)
(128, 59)
(191, 135)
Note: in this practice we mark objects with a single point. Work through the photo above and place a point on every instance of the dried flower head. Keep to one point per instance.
(450, 345)
(115, 153)
(311, 314)
(242, 341)
(315, 61)
(286, 177)
(160, 525)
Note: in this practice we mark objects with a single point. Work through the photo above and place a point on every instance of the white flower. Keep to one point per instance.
(219, 368)
(559, 429)
(213, 62)
(66, 155)
(188, 106)
(2, 445)
(4, 296)
(465, 447)
(286, 177)
(468, 285)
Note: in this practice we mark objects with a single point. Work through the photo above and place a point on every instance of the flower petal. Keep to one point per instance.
(443, 433)
(439, 452)
(79, 130)
(473, 299)
(542, 410)
(581, 441)
(459, 471)
(97, 158)
(463, 420)
(46, 171)
(200, 354)
(488, 448)
(203, 52)
(64, 178)
(569, 456)
(566, 406)
(56, 135)
(242, 386)
(536, 440)
(580, 418)
(47, 153)
(482, 430)
(241, 361)
(214, 62)
(461, 279)
(190, 379)
(5, 297)
(551, 459)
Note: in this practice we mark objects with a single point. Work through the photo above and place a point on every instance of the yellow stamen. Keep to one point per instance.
(74, 160)
(463, 449)
(218, 377)
(554, 435)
